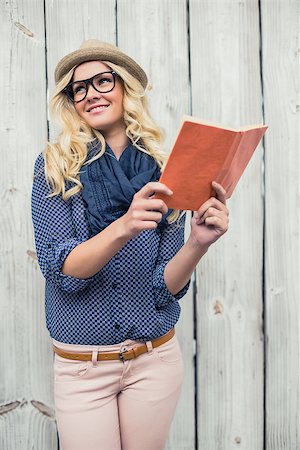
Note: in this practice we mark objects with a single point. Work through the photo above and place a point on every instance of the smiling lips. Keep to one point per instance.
(97, 108)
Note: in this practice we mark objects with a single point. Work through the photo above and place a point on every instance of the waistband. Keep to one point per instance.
(83, 348)
(126, 352)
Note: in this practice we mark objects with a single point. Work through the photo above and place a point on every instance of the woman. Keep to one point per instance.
(113, 256)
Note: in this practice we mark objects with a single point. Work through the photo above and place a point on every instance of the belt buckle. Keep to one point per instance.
(123, 350)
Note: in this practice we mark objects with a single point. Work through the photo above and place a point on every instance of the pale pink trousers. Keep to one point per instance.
(114, 405)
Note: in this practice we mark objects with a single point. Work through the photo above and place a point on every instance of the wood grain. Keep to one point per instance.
(233, 62)
(225, 78)
(281, 74)
(25, 359)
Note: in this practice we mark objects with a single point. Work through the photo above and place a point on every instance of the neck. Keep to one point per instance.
(117, 142)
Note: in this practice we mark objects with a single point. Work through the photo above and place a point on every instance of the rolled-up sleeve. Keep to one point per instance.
(54, 232)
(172, 239)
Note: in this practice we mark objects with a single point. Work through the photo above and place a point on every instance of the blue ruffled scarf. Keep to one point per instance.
(109, 184)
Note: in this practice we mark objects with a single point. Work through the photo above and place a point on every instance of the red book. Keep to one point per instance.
(203, 153)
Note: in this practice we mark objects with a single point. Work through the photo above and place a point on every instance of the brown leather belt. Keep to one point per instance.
(134, 352)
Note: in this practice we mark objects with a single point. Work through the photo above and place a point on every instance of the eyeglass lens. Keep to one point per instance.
(102, 82)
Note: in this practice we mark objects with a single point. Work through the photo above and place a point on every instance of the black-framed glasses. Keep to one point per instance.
(102, 82)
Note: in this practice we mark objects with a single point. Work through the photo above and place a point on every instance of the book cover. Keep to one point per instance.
(204, 152)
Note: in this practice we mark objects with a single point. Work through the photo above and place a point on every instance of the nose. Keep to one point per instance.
(91, 92)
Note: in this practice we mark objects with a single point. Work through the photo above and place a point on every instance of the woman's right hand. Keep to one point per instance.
(145, 212)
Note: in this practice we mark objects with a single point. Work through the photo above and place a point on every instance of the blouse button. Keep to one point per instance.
(114, 285)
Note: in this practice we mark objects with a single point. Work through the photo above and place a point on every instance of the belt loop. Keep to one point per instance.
(149, 346)
(94, 358)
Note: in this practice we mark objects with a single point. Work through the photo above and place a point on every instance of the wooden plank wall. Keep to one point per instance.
(230, 61)
(26, 411)
(281, 74)
(226, 88)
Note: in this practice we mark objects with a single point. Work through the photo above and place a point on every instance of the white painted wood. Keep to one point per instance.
(155, 34)
(26, 407)
(281, 76)
(225, 77)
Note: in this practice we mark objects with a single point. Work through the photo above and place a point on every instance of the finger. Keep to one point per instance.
(216, 222)
(220, 192)
(211, 212)
(212, 202)
(148, 225)
(154, 187)
(147, 216)
(151, 205)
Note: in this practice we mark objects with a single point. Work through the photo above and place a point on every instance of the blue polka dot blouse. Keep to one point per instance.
(126, 299)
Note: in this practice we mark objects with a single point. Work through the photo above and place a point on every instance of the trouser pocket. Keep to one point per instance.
(169, 352)
(68, 369)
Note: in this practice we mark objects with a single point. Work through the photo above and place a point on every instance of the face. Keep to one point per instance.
(102, 111)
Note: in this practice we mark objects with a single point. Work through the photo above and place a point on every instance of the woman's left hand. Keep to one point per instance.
(211, 220)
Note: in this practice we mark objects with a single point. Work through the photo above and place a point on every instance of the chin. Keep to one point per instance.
(104, 125)
(100, 126)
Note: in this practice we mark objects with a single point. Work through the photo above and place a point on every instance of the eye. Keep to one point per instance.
(104, 79)
(78, 87)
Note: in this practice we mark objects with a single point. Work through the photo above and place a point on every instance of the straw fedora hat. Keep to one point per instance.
(92, 50)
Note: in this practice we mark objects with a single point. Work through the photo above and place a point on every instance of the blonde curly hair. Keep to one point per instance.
(65, 157)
